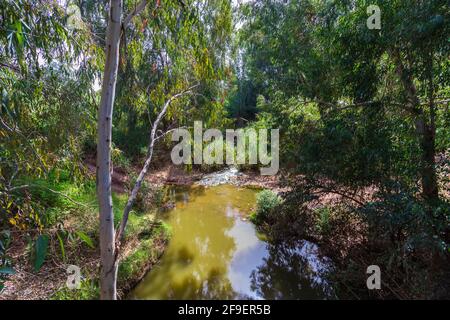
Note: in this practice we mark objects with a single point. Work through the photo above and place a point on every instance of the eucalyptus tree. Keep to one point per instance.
(362, 109)
(47, 101)
(179, 32)
(323, 52)
(409, 52)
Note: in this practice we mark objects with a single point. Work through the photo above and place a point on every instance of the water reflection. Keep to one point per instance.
(215, 254)
(292, 272)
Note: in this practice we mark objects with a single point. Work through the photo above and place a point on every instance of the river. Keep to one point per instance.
(216, 253)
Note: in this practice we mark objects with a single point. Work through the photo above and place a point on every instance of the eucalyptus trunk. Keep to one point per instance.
(108, 275)
(425, 130)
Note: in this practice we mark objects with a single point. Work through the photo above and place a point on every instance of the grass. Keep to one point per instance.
(89, 290)
(145, 236)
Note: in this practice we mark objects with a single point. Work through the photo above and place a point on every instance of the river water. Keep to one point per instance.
(216, 253)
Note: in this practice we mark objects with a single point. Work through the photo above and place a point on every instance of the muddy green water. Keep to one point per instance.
(216, 253)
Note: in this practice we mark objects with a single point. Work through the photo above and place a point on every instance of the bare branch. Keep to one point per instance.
(11, 67)
(16, 170)
(137, 10)
(28, 186)
(139, 180)
(162, 135)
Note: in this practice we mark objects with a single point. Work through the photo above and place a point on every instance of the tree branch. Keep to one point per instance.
(137, 10)
(26, 140)
(162, 135)
(28, 186)
(140, 7)
(10, 66)
(138, 183)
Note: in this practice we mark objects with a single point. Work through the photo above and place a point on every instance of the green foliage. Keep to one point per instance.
(5, 260)
(323, 221)
(165, 230)
(52, 55)
(168, 50)
(47, 108)
(89, 290)
(62, 247)
(40, 251)
(119, 159)
(360, 111)
(152, 236)
(443, 129)
(85, 238)
(150, 197)
(408, 235)
(348, 101)
(408, 223)
(266, 202)
(133, 264)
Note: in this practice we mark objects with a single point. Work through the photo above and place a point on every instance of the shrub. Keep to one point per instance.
(266, 201)
(149, 196)
(323, 220)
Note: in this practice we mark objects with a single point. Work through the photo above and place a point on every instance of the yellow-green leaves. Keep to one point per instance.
(85, 238)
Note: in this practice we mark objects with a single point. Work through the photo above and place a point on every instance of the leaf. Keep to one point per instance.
(61, 245)
(7, 270)
(19, 35)
(85, 238)
(41, 247)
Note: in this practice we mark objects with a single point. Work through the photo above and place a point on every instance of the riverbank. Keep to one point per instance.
(73, 240)
(145, 239)
(73, 236)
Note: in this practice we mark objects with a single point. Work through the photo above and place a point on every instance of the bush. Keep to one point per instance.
(149, 196)
(266, 201)
(323, 220)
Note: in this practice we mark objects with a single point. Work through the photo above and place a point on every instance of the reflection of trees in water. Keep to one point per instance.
(214, 286)
(179, 196)
(199, 284)
(184, 193)
(196, 261)
(287, 274)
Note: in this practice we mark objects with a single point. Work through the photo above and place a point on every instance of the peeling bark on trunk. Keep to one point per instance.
(108, 274)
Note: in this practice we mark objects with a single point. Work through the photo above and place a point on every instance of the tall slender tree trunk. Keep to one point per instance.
(425, 130)
(428, 168)
(108, 259)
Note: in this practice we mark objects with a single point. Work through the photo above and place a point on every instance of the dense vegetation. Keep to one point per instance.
(364, 119)
(364, 116)
(52, 60)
